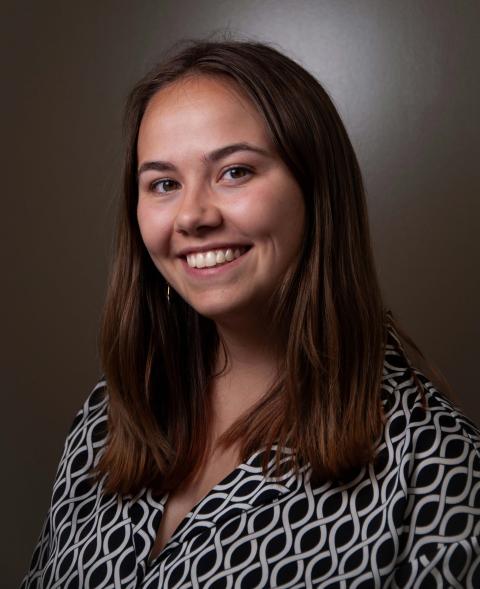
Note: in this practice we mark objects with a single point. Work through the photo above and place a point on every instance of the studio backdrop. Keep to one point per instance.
(404, 76)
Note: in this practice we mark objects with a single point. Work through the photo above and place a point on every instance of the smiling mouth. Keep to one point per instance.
(214, 258)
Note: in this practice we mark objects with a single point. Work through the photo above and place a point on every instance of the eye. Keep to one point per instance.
(236, 173)
(164, 185)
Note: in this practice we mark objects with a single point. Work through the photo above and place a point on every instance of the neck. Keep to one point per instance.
(251, 347)
(252, 354)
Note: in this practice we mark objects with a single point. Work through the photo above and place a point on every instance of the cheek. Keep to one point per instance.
(154, 231)
(280, 214)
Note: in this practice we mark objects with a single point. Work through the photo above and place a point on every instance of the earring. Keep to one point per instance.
(168, 293)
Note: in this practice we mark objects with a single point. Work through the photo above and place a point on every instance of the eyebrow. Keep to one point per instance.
(213, 156)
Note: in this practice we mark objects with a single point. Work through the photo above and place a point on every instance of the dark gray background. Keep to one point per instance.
(404, 76)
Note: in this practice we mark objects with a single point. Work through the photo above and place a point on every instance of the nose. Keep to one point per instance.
(197, 212)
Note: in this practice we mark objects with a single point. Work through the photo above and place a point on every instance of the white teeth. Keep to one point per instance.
(212, 258)
(199, 260)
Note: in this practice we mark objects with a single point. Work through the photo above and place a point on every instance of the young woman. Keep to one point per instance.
(259, 424)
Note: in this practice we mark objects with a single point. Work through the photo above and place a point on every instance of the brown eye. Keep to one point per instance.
(236, 173)
(165, 185)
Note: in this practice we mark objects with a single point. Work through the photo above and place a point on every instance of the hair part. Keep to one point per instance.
(159, 355)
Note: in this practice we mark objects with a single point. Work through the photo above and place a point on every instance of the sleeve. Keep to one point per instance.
(440, 466)
(80, 454)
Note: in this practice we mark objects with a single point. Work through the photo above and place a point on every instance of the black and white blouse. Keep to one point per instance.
(411, 519)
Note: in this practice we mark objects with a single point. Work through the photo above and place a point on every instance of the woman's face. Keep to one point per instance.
(219, 212)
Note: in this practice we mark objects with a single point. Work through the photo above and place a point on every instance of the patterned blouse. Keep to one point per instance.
(410, 519)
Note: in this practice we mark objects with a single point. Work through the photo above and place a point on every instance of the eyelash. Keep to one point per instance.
(247, 171)
(243, 168)
(156, 183)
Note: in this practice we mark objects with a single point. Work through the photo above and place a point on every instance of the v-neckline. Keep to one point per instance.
(196, 507)
(252, 467)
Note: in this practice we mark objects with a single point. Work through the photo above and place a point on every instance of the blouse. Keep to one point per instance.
(411, 518)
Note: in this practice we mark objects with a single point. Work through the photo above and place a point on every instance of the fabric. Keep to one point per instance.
(410, 519)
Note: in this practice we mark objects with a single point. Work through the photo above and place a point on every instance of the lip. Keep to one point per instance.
(211, 247)
(215, 270)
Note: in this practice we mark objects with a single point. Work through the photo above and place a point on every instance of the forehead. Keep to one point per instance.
(200, 109)
(193, 89)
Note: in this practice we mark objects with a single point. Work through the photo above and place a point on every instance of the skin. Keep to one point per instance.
(247, 196)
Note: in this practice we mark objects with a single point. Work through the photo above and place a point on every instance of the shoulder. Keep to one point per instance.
(93, 412)
(87, 435)
(74, 488)
(412, 403)
(432, 451)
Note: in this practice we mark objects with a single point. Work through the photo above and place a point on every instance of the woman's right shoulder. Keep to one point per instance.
(88, 432)
(75, 488)
(94, 408)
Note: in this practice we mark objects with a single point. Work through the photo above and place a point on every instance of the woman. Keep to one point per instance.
(259, 424)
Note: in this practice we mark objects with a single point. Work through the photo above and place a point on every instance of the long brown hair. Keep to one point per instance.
(158, 353)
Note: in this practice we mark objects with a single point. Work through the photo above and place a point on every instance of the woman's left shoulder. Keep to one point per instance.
(414, 405)
(432, 450)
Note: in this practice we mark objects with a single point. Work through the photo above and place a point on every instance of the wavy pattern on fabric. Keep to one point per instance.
(410, 519)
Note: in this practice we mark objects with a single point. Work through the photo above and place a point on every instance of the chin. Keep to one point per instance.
(240, 313)
(223, 310)
(215, 312)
